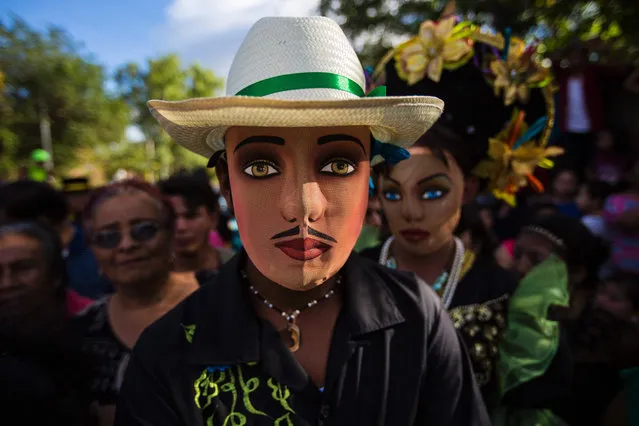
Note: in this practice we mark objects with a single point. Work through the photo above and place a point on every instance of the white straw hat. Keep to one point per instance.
(295, 72)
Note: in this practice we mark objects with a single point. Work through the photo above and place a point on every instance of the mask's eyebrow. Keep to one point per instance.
(322, 140)
(435, 176)
(423, 180)
(260, 139)
(392, 180)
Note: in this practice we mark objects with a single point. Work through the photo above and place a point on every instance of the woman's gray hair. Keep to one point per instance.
(52, 250)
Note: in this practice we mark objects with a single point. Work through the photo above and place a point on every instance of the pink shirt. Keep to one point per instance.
(215, 240)
(76, 303)
(509, 245)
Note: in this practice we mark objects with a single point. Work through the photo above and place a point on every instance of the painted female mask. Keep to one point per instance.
(422, 199)
(300, 197)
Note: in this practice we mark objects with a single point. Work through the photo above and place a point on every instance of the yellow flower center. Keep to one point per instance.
(415, 63)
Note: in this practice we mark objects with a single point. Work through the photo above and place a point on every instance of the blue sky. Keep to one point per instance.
(120, 31)
(115, 31)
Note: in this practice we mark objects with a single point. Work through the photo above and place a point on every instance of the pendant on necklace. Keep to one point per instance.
(294, 337)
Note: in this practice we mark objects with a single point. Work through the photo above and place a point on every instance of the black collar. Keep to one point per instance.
(228, 331)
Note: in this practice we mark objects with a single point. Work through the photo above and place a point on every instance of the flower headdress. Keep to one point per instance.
(513, 156)
(498, 97)
(515, 73)
(438, 46)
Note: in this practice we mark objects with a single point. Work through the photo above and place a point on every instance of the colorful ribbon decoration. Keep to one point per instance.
(392, 154)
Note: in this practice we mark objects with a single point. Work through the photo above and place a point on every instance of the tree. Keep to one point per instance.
(8, 139)
(53, 93)
(163, 78)
(376, 25)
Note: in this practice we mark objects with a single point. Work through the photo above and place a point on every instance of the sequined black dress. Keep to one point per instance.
(479, 311)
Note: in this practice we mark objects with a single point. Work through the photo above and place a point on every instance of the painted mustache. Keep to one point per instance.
(295, 231)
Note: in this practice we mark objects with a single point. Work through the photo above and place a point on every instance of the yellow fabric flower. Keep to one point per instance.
(438, 46)
(516, 75)
(509, 169)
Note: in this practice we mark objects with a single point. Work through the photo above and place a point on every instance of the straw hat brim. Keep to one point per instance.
(199, 124)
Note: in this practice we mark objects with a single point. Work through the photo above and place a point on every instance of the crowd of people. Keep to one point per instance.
(84, 272)
(533, 317)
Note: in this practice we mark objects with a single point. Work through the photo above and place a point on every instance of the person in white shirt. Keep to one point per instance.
(590, 201)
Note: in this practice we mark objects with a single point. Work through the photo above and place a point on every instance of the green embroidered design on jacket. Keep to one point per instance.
(281, 394)
(241, 384)
(189, 332)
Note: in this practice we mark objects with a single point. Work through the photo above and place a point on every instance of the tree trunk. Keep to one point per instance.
(45, 132)
(150, 154)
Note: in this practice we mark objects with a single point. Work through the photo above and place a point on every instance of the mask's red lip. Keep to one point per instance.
(415, 234)
(303, 249)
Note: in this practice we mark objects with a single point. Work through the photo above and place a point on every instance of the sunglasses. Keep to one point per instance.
(140, 232)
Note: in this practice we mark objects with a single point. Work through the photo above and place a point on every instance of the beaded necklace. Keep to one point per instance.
(446, 283)
(294, 335)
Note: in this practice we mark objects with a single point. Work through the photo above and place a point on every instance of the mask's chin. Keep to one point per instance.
(424, 248)
(297, 277)
(302, 279)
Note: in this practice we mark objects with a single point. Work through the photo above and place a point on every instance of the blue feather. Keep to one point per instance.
(507, 33)
(532, 131)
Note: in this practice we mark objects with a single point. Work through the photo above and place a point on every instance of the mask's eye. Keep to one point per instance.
(338, 167)
(433, 194)
(261, 169)
(392, 196)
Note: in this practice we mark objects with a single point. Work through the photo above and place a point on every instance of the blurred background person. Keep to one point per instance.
(621, 214)
(40, 202)
(43, 374)
(83, 268)
(196, 217)
(505, 251)
(77, 191)
(580, 107)
(582, 399)
(608, 164)
(38, 170)
(590, 201)
(564, 188)
(130, 227)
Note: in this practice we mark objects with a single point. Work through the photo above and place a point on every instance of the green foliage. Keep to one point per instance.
(376, 25)
(164, 78)
(46, 78)
(122, 155)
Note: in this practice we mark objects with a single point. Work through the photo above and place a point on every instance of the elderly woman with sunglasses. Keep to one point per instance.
(130, 228)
